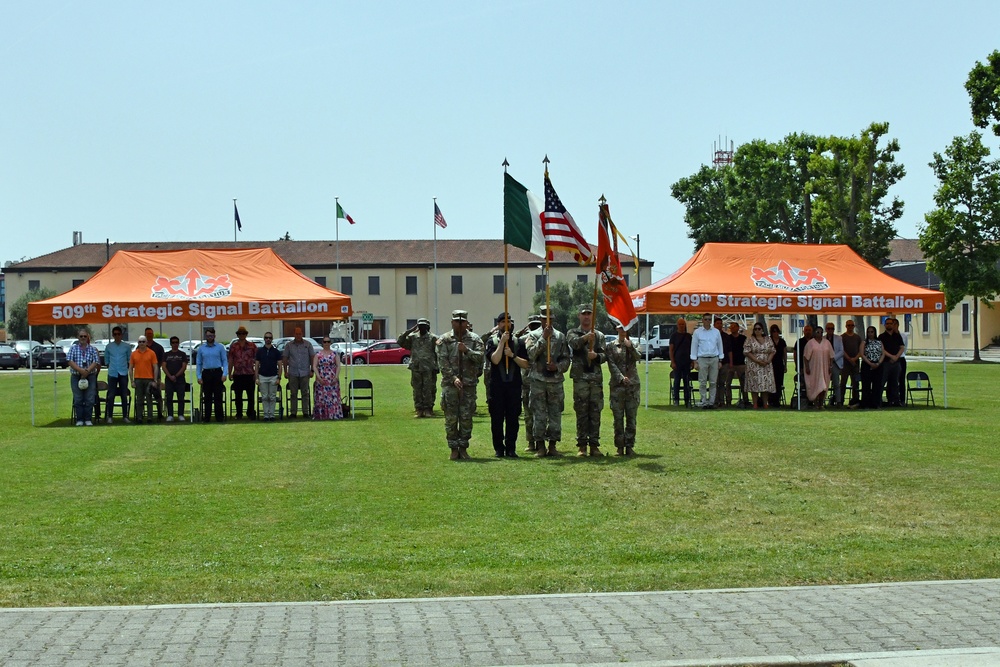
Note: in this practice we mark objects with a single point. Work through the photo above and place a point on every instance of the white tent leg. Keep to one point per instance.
(944, 361)
(55, 377)
(31, 377)
(646, 354)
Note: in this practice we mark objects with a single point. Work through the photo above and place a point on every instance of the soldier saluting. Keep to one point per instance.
(460, 360)
(421, 343)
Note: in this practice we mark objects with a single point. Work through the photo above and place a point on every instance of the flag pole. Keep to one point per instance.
(336, 214)
(434, 225)
(548, 307)
(505, 310)
(602, 204)
(234, 221)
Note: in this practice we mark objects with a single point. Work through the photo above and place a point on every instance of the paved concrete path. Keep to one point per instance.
(921, 623)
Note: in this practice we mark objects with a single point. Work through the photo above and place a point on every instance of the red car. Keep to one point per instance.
(385, 351)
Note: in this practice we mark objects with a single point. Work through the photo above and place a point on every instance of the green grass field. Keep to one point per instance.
(373, 508)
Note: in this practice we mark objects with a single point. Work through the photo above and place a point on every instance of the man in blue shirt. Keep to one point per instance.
(116, 356)
(212, 366)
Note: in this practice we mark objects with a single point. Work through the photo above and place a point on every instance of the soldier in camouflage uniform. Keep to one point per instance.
(549, 358)
(460, 359)
(534, 323)
(623, 388)
(587, 347)
(423, 365)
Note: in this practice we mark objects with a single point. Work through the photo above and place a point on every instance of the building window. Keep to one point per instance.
(498, 284)
(346, 285)
(373, 286)
(625, 278)
(77, 282)
(411, 284)
(966, 319)
(320, 280)
(540, 283)
(456, 284)
(946, 322)
(581, 278)
(34, 285)
(410, 324)
(793, 324)
(908, 324)
(925, 323)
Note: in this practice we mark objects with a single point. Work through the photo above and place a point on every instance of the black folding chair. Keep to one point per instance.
(361, 392)
(919, 382)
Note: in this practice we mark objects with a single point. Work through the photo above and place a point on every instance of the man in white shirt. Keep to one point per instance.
(706, 353)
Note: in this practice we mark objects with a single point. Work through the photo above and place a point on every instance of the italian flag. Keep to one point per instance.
(343, 216)
(522, 217)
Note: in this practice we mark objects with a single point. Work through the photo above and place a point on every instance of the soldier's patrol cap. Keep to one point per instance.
(586, 308)
(543, 310)
(423, 320)
(504, 316)
(534, 318)
(462, 315)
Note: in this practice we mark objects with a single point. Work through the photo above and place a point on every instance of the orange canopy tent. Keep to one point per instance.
(783, 278)
(193, 285)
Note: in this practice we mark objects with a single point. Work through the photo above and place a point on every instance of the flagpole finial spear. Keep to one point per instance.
(545, 161)
(602, 200)
(505, 164)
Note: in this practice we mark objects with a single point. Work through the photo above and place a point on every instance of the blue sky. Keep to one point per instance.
(141, 122)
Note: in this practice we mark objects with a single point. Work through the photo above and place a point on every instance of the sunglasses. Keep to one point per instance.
(326, 342)
(267, 338)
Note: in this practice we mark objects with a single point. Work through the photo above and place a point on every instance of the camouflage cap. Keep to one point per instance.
(535, 318)
(586, 308)
(462, 315)
(423, 320)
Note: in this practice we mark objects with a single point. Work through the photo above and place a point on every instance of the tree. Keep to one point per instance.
(565, 299)
(17, 320)
(983, 86)
(961, 238)
(705, 196)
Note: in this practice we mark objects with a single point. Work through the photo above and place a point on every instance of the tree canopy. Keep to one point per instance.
(803, 189)
(17, 319)
(961, 238)
(983, 86)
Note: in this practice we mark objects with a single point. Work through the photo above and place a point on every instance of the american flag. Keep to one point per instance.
(438, 217)
(560, 231)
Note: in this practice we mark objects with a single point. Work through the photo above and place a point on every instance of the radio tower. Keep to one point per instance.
(720, 156)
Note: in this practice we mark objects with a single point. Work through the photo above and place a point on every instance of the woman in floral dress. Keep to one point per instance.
(759, 350)
(326, 370)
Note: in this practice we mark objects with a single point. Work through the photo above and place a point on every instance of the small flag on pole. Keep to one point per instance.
(342, 215)
(617, 300)
(236, 212)
(438, 217)
(522, 217)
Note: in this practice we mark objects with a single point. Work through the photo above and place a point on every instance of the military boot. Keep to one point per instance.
(629, 451)
(581, 450)
(595, 450)
(539, 449)
(619, 447)
(531, 446)
(454, 453)
(552, 448)
(463, 453)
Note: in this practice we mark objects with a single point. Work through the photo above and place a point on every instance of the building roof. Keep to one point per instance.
(317, 254)
(905, 250)
(915, 273)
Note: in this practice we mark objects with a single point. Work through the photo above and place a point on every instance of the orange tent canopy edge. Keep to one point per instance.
(193, 285)
(782, 278)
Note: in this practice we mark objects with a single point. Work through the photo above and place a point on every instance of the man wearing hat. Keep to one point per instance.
(84, 367)
(460, 359)
(549, 356)
(242, 355)
(297, 358)
(423, 365)
(623, 389)
(506, 356)
(587, 348)
(534, 324)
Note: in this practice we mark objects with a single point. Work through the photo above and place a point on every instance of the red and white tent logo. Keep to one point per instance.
(786, 277)
(192, 285)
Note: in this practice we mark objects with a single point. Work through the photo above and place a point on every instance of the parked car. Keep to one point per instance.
(9, 358)
(49, 356)
(24, 348)
(99, 345)
(66, 343)
(639, 343)
(385, 351)
(342, 349)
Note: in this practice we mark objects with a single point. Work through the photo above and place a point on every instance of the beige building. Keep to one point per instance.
(393, 281)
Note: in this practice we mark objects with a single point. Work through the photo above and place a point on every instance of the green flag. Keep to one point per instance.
(342, 215)
(522, 217)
